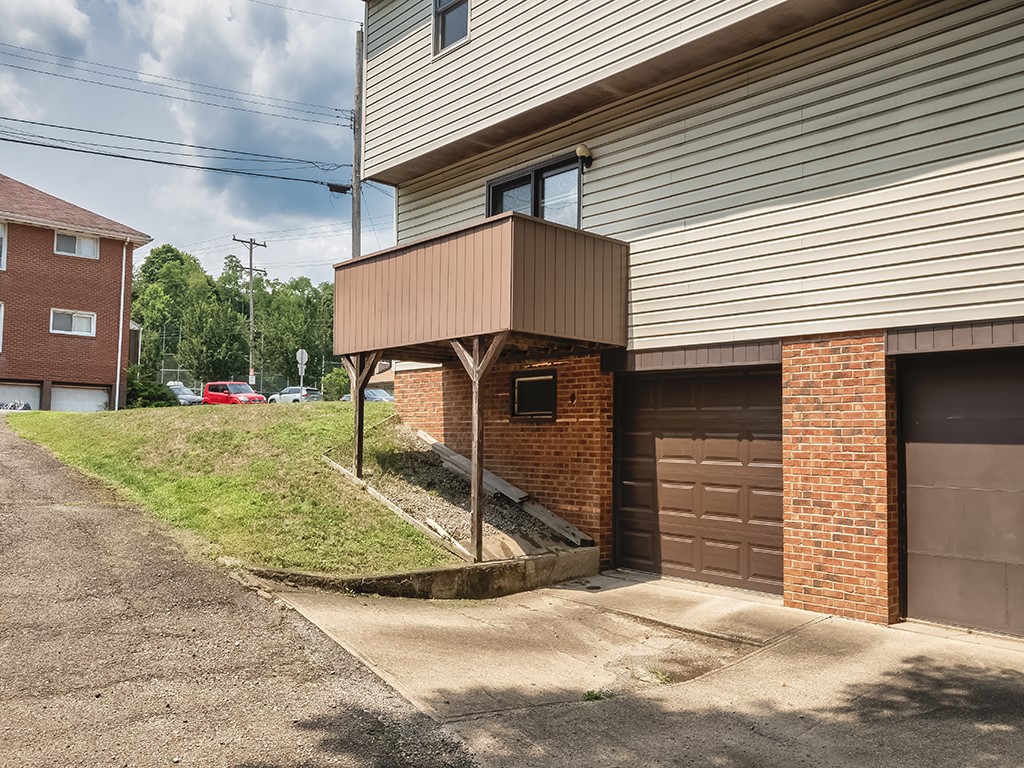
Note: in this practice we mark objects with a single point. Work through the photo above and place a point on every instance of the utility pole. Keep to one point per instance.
(250, 244)
(357, 150)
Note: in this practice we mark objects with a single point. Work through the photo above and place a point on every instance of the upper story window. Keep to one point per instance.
(74, 245)
(3, 245)
(72, 322)
(550, 192)
(1, 327)
(451, 22)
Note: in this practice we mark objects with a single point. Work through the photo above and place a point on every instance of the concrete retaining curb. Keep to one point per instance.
(473, 581)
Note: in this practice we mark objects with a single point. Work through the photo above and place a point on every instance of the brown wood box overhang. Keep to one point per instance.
(557, 290)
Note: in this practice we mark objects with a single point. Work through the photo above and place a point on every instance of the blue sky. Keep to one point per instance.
(244, 45)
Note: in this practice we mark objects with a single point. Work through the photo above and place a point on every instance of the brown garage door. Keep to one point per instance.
(699, 482)
(963, 434)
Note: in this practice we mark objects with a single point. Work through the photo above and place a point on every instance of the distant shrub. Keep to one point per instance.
(335, 384)
(143, 392)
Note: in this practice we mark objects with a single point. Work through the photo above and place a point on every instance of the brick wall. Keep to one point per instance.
(565, 465)
(840, 477)
(37, 280)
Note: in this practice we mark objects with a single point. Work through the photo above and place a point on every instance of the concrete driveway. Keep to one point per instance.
(625, 671)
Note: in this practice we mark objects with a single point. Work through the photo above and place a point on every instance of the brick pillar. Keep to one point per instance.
(840, 477)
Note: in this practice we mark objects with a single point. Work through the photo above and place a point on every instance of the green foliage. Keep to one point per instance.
(173, 292)
(214, 344)
(144, 392)
(248, 480)
(335, 384)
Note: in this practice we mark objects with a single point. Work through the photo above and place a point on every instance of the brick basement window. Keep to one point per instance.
(534, 395)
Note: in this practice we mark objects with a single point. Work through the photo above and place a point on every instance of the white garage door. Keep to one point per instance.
(26, 393)
(78, 399)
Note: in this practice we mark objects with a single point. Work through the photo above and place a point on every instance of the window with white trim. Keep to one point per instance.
(451, 23)
(1, 327)
(75, 245)
(72, 323)
(3, 246)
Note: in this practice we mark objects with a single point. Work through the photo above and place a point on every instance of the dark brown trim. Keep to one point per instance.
(982, 334)
(730, 354)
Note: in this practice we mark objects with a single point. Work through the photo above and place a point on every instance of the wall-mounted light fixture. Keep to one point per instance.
(585, 156)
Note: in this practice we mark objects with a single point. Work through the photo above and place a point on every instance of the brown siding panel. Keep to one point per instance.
(507, 273)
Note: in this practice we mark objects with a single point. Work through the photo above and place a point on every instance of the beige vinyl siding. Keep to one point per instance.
(878, 187)
(519, 55)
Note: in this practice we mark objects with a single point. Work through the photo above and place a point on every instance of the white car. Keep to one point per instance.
(296, 395)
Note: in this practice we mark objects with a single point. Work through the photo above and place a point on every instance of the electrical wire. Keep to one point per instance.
(315, 163)
(300, 10)
(234, 171)
(139, 73)
(169, 96)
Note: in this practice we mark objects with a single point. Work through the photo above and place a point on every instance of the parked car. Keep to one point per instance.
(296, 395)
(231, 393)
(373, 396)
(185, 395)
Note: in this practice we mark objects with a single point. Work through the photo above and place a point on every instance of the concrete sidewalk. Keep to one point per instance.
(625, 671)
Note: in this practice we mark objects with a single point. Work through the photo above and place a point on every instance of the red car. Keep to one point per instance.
(230, 393)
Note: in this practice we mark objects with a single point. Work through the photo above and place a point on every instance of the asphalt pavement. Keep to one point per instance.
(122, 645)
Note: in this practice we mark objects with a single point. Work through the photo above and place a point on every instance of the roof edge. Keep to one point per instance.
(137, 239)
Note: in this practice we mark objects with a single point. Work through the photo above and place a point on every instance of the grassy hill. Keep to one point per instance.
(247, 479)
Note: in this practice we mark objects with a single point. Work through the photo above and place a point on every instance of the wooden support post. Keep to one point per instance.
(360, 368)
(477, 365)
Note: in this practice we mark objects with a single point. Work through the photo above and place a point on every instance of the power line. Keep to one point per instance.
(139, 73)
(169, 96)
(332, 186)
(315, 163)
(300, 10)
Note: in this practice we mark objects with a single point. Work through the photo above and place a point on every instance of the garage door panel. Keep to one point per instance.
(680, 551)
(766, 450)
(958, 465)
(637, 549)
(973, 593)
(721, 557)
(766, 565)
(765, 506)
(637, 445)
(968, 523)
(717, 464)
(78, 399)
(1015, 598)
(722, 503)
(676, 446)
(637, 495)
(677, 497)
(24, 393)
(962, 417)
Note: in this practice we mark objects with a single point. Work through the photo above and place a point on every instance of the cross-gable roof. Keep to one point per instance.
(23, 204)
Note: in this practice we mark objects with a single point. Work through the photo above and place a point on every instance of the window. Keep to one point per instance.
(534, 395)
(1, 327)
(3, 245)
(550, 192)
(72, 323)
(451, 23)
(73, 245)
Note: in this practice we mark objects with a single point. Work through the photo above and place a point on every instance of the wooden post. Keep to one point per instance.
(360, 367)
(476, 366)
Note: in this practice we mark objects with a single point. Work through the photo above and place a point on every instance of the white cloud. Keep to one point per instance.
(58, 26)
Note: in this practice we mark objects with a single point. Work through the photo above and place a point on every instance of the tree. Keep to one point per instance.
(297, 315)
(214, 342)
(335, 384)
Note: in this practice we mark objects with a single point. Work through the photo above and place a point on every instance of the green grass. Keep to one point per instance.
(247, 479)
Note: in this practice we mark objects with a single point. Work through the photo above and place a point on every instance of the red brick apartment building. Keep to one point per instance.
(757, 270)
(65, 301)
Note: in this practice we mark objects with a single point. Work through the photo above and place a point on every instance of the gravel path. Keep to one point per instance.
(119, 647)
(407, 473)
